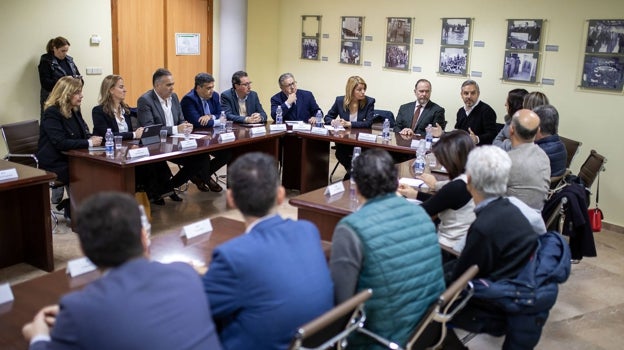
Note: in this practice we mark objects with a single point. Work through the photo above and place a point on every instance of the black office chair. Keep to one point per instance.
(379, 115)
(572, 148)
(592, 166)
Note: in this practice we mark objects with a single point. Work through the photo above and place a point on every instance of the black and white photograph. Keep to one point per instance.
(309, 49)
(603, 72)
(520, 66)
(605, 36)
(453, 60)
(524, 34)
(352, 28)
(397, 56)
(350, 52)
(399, 30)
(456, 31)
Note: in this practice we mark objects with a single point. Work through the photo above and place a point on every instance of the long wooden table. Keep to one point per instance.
(25, 222)
(31, 296)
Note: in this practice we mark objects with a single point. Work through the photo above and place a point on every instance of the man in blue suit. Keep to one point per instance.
(240, 104)
(297, 105)
(137, 303)
(264, 284)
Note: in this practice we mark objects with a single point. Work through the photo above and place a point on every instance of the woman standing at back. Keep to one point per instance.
(53, 65)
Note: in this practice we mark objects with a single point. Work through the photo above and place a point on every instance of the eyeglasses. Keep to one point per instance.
(245, 84)
(293, 84)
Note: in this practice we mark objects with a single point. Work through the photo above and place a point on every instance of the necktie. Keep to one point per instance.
(416, 115)
(206, 107)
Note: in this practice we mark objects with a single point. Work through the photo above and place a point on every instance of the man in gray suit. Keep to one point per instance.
(414, 117)
(162, 106)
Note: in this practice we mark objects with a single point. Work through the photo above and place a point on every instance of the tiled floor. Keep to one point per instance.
(589, 313)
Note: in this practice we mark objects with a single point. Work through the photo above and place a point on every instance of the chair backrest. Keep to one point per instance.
(333, 326)
(21, 141)
(379, 115)
(593, 165)
(572, 148)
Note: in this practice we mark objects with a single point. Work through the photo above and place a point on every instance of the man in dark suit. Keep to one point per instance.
(137, 303)
(202, 108)
(240, 104)
(476, 116)
(413, 117)
(264, 284)
(162, 106)
(296, 104)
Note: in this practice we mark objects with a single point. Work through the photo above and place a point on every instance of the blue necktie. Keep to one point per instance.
(206, 107)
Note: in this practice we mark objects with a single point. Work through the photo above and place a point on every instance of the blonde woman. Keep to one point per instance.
(112, 111)
(353, 110)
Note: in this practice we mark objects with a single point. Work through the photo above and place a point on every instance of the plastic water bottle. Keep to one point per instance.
(222, 120)
(428, 137)
(319, 119)
(419, 163)
(356, 153)
(385, 133)
(278, 115)
(146, 224)
(110, 143)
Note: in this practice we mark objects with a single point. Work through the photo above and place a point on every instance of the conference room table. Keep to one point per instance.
(32, 295)
(25, 222)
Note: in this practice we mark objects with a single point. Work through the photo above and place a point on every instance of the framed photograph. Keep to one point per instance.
(399, 30)
(603, 72)
(311, 26)
(605, 36)
(453, 60)
(352, 28)
(456, 31)
(350, 52)
(520, 66)
(397, 56)
(524, 34)
(310, 48)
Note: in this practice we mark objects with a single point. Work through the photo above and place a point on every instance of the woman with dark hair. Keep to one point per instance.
(513, 104)
(452, 204)
(353, 110)
(55, 64)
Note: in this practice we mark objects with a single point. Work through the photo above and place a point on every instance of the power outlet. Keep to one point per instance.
(94, 70)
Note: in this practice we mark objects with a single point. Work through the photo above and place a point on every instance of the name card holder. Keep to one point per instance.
(278, 127)
(6, 295)
(227, 136)
(257, 130)
(8, 174)
(186, 144)
(197, 228)
(301, 127)
(367, 137)
(138, 152)
(80, 266)
(333, 189)
(319, 131)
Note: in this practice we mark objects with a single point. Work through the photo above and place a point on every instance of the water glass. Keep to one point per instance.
(118, 142)
(163, 135)
(432, 160)
(229, 125)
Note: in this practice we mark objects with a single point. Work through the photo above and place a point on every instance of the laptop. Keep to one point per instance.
(151, 134)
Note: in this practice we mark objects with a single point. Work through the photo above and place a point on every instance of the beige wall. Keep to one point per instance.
(594, 118)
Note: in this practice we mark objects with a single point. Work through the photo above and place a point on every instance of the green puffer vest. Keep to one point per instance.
(401, 263)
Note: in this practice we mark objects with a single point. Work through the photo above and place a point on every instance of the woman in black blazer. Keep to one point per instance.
(112, 112)
(353, 110)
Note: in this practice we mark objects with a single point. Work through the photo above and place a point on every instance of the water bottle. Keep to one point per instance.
(110, 143)
(428, 137)
(278, 115)
(356, 153)
(319, 120)
(420, 163)
(223, 120)
(146, 224)
(385, 133)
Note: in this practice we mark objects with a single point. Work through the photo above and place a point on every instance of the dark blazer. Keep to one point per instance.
(431, 114)
(103, 121)
(141, 304)
(229, 103)
(58, 134)
(364, 117)
(193, 108)
(305, 108)
(50, 71)
(264, 284)
(150, 111)
(482, 121)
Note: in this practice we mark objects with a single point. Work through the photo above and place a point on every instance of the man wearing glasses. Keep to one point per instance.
(297, 105)
(240, 104)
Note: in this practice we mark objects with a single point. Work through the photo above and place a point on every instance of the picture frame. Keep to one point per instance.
(603, 72)
(520, 66)
(350, 52)
(453, 60)
(310, 37)
(351, 28)
(310, 48)
(399, 30)
(456, 31)
(605, 36)
(397, 56)
(524, 34)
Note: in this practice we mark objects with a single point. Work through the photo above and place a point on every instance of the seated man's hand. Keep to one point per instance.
(473, 136)
(254, 118)
(407, 132)
(203, 121)
(437, 130)
(184, 126)
(42, 323)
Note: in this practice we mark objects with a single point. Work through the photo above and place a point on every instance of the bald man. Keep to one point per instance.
(529, 178)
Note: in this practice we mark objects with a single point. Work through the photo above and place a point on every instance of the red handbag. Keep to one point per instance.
(595, 214)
